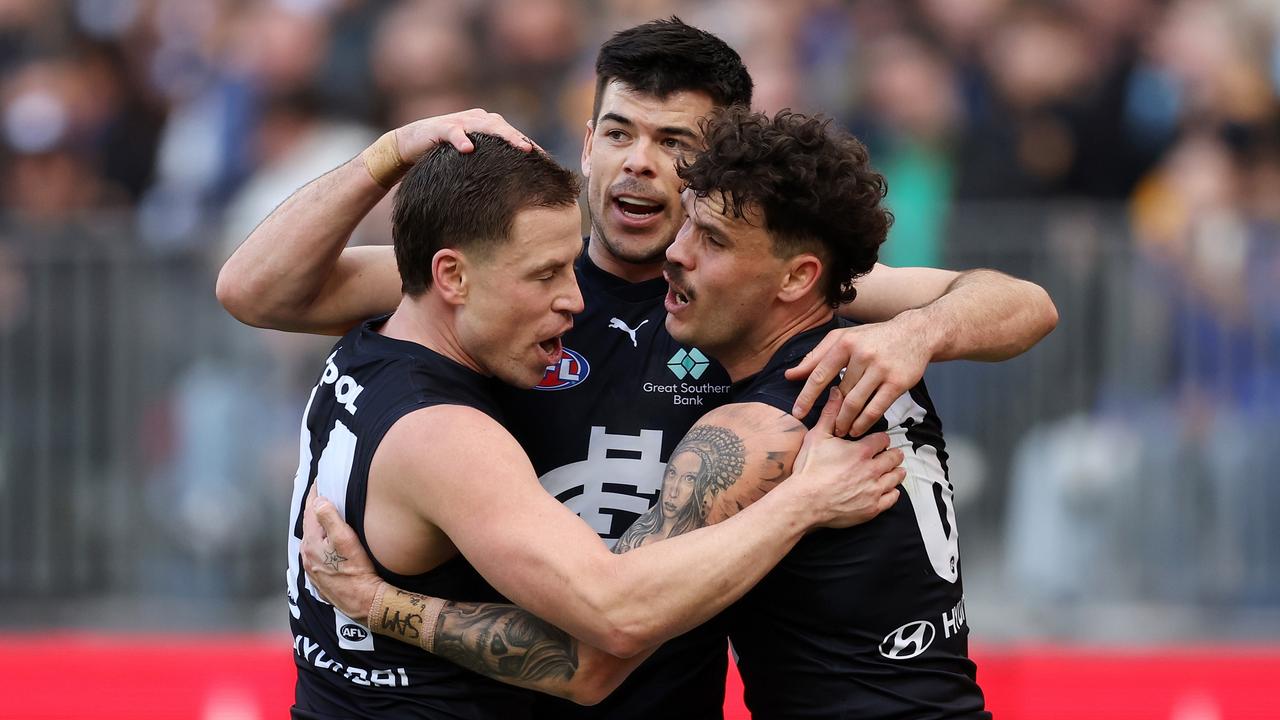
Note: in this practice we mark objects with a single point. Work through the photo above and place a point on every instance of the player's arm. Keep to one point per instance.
(916, 316)
(730, 459)
(292, 272)
(501, 641)
(486, 498)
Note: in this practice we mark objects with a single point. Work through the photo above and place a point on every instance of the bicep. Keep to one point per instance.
(481, 491)
(888, 291)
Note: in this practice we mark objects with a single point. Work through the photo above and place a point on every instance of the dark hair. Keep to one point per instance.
(453, 200)
(661, 57)
(813, 182)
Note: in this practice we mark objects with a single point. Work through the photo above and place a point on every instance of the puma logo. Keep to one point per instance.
(616, 323)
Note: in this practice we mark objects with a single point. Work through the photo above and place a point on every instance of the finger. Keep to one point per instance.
(888, 500)
(874, 444)
(875, 408)
(826, 369)
(457, 137)
(496, 125)
(329, 519)
(807, 363)
(827, 420)
(858, 385)
(889, 459)
(311, 528)
(891, 475)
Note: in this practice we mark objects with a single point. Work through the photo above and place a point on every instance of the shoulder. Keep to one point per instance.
(447, 434)
(752, 418)
(743, 451)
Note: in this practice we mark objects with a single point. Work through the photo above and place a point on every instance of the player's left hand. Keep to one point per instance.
(335, 561)
(881, 362)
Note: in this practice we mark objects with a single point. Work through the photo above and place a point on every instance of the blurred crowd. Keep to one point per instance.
(186, 109)
(171, 127)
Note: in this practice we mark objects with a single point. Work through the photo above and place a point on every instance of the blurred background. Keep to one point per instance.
(1117, 486)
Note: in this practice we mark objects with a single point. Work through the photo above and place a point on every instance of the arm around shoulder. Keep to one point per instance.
(974, 315)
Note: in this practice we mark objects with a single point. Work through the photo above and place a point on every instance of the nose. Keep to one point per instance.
(678, 250)
(569, 300)
(639, 160)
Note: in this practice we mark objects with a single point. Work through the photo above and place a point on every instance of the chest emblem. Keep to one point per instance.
(688, 363)
(572, 370)
(618, 324)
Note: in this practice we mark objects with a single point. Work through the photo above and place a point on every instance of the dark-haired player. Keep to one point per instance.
(403, 430)
(865, 621)
(612, 411)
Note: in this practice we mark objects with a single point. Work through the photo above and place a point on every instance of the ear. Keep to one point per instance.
(586, 148)
(801, 276)
(449, 275)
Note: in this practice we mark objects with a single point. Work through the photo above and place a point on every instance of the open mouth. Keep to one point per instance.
(637, 208)
(552, 349)
(677, 296)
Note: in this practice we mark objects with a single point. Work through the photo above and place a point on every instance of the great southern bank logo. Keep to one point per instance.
(571, 370)
(690, 363)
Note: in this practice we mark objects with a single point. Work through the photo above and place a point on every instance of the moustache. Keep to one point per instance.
(675, 277)
(633, 186)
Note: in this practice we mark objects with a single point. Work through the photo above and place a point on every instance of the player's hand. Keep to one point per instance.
(419, 136)
(335, 561)
(881, 361)
(852, 481)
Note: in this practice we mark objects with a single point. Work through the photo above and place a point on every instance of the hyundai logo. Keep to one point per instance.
(908, 641)
(353, 633)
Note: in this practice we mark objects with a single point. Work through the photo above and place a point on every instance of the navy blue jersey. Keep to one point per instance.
(868, 621)
(344, 671)
(599, 430)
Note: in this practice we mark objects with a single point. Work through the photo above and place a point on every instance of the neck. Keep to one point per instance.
(747, 358)
(629, 271)
(429, 322)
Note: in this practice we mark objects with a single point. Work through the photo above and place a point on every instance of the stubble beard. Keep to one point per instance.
(619, 253)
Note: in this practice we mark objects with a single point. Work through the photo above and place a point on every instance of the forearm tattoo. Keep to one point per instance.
(708, 461)
(505, 643)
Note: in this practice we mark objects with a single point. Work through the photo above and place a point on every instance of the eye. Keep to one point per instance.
(615, 135)
(675, 144)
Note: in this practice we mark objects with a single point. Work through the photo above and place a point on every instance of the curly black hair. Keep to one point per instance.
(662, 57)
(813, 181)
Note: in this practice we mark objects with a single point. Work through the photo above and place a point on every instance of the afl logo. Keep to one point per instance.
(908, 641)
(571, 370)
(353, 632)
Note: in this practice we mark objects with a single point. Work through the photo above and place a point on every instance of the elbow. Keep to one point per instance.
(231, 296)
(597, 677)
(1047, 316)
(622, 626)
(591, 692)
(234, 296)
(624, 640)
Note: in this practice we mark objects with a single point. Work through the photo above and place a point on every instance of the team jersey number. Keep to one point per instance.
(929, 490)
(333, 473)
